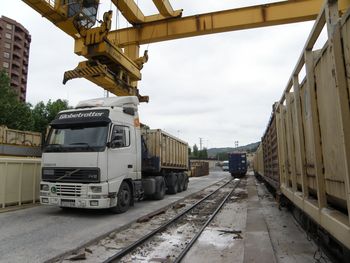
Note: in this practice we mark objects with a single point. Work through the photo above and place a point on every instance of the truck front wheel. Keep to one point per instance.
(124, 198)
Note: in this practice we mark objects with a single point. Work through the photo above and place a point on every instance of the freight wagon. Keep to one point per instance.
(19, 143)
(305, 151)
(237, 164)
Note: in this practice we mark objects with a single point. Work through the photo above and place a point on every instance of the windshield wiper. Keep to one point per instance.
(82, 143)
(53, 146)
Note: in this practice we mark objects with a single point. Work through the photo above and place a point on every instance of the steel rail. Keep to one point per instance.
(138, 242)
(194, 239)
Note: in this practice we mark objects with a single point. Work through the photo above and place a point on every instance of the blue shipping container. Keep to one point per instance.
(237, 164)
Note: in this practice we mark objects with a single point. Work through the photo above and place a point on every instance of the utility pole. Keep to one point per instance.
(200, 143)
(236, 144)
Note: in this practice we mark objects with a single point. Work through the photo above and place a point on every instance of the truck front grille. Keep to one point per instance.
(68, 190)
(71, 175)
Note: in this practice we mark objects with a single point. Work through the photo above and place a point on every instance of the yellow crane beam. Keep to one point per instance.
(222, 21)
(57, 13)
(166, 9)
(134, 15)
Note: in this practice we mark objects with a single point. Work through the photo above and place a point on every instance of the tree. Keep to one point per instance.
(44, 114)
(203, 154)
(13, 113)
(53, 108)
(195, 151)
(222, 156)
(39, 115)
(22, 116)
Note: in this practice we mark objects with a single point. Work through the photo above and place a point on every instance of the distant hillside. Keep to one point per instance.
(212, 152)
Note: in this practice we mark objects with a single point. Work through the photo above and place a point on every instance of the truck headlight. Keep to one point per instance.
(44, 187)
(96, 189)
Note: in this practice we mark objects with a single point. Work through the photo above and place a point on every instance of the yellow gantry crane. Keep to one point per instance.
(113, 60)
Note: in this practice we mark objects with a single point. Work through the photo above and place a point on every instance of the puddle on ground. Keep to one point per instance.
(217, 238)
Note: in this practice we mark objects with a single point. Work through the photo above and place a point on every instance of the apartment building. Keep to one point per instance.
(14, 54)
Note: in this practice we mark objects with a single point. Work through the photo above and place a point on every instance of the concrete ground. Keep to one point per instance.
(265, 233)
(250, 228)
(40, 233)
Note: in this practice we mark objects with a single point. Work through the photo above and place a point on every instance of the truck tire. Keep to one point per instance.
(172, 183)
(185, 186)
(160, 188)
(180, 182)
(124, 199)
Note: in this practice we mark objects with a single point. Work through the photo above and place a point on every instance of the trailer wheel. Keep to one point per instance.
(185, 185)
(124, 198)
(172, 183)
(160, 188)
(180, 182)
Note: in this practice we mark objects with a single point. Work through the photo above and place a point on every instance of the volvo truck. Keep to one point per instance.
(98, 155)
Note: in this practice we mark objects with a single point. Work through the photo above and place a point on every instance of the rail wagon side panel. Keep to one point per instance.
(330, 129)
(270, 154)
(258, 161)
(308, 139)
(296, 142)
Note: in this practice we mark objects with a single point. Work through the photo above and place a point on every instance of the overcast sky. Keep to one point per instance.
(218, 87)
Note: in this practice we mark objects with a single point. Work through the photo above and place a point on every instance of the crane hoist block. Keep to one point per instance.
(110, 55)
(100, 75)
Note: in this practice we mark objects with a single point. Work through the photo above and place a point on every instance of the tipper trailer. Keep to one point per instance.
(98, 156)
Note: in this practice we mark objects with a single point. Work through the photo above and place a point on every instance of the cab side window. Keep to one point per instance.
(120, 136)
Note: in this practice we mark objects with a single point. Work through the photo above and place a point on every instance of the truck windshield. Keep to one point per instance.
(72, 139)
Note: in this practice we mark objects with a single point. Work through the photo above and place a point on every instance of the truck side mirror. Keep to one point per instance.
(117, 143)
(120, 137)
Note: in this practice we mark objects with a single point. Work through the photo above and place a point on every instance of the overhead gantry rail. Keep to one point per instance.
(223, 21)
(113, 60)
(134, 15)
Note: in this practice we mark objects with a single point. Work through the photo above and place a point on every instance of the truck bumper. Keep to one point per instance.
(75, 195)
(76, 202)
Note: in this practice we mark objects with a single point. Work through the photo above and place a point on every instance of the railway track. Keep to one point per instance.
(191, 222)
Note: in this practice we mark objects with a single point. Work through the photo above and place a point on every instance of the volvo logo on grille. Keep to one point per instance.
(68, 173)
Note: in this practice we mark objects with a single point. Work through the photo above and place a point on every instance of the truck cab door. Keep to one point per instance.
(122, 154)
